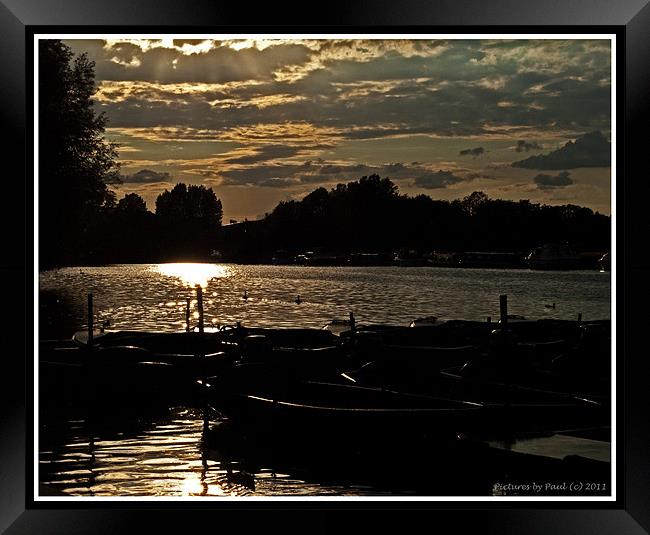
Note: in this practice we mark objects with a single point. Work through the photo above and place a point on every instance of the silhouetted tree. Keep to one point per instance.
(126, 233)
(132, 204)
(370, 215)
(75, 161)
(188, 218)
(472, 202)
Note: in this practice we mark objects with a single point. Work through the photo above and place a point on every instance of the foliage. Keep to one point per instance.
(369, 215)
(76, 163)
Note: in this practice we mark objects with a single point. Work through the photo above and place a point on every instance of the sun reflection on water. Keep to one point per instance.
(193, 486)
(192, 274)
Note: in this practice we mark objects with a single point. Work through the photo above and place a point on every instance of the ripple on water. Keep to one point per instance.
(164, 456)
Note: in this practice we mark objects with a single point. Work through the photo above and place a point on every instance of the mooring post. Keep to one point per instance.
(503, 310)
(187, 315)
(489, 319)
(579, 317)
(199, 299)
(90, 319)
(353, 323)
(505, 348)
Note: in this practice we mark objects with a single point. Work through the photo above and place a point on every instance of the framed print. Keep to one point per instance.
(391, 258)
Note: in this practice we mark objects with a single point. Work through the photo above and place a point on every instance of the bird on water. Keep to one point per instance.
(550, 306)
(298, 300)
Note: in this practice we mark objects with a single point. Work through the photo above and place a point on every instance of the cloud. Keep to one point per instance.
(264, 153)
(318, 171)
(360, 89)
(551, 182)
(478, 151)
(146, 176)
(525, 146)
(440, 179)
(276, 183)
(589, 150)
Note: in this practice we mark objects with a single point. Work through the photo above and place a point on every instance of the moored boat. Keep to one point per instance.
(558, 256)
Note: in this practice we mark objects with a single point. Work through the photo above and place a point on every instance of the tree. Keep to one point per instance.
(188, 217)
(196, 206)
(126, 232)
(132, 204)
(472, 202)
(76, 163)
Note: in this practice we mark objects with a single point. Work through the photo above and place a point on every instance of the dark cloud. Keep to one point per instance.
(478, 151)
(466, 86)
(181, 42)
(550, 182)
(525, 146)
(276, 183)
(264, 153)
(589, 150)
(146, 176)
(260, 174)
(321, 172)
(441, 179)
(476, 176)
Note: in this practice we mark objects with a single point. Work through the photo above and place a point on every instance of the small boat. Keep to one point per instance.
(526, 407)
(208, 342)
(490, 260)
(110, 375)
(317, 415)
(193, 355)
(553, 256)
(604, 263)
(424, 321)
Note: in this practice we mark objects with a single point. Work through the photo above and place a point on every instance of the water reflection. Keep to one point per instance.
(192, 274)
(168, 456)
(165, 454)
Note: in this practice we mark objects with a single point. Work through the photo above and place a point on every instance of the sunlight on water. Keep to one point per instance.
(193, 274)
(100, 455)
(153, 296)
(195, 487)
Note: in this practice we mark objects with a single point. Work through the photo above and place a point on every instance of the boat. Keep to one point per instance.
(604, 263)
(410, 261)
(121, 374)
(424, 321)
(317, 415)
(554, 256)
(210, 341)
(490, 260)
(439, 259)
(193, 355)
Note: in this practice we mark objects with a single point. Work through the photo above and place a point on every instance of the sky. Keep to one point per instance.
(264, 120)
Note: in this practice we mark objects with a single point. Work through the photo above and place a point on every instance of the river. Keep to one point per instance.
(163, 454)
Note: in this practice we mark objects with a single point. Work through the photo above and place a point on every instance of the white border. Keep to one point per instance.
(455, 36)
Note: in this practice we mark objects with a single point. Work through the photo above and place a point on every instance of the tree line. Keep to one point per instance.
(370, 215)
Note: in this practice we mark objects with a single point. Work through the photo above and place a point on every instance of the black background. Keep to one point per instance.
(19, 19)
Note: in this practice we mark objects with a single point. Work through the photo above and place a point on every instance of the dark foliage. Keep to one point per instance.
(79, 219)
(184, 228)
(75, 161)
(369, 215)
(188, 218)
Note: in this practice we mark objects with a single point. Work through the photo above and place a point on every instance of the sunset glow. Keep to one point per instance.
(262, 120)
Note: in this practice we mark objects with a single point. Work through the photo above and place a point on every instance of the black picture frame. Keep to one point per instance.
(628, 19)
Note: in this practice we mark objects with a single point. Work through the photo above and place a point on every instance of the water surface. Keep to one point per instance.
(84, 452)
